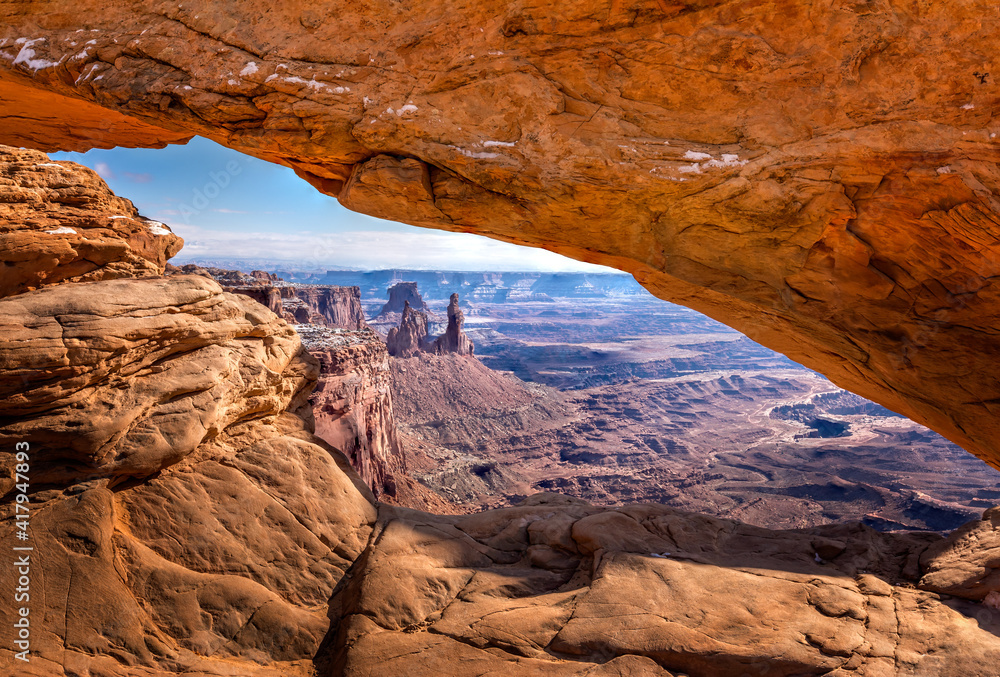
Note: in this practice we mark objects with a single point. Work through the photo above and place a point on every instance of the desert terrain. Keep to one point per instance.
(588, 386)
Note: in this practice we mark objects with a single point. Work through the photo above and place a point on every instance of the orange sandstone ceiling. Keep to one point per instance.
(820, 176)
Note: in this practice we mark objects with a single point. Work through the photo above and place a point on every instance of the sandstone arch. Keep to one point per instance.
(822, 177)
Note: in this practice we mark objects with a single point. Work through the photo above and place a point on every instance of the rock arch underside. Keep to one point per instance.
(821, 176)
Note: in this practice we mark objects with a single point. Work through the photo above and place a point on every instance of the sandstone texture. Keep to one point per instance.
(182, 513)
(352, 403)
(967, 563)
(454, 340)
(410, 337)
(403, 294)
(558, 587)
(59, 222)
(182, 516)
(820, 177)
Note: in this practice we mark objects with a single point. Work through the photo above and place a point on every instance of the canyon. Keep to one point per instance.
(821, 177)
(617, 397)
(185, 519)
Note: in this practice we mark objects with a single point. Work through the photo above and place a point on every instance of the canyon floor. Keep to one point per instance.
(630, 399)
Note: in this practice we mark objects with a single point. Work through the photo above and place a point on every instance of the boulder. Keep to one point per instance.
(59, 222)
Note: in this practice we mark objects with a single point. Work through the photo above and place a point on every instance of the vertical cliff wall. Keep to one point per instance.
(352, 404)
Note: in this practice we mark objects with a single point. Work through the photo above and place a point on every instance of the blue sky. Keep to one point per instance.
(228, 205)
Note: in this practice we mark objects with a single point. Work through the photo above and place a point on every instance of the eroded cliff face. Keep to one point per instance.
(59, 222)
(352, 404)
(326, 305)
(821, 177)
(333, 306)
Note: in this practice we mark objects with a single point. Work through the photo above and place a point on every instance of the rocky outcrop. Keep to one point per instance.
(352, 404)
(333, 306)
(325, 305)
(181, 515)
(410, 337)
(454, 340)
(59, 222)
(820, 177)
(403, 294)
(558, 587)
(967, 563)
(177, 492)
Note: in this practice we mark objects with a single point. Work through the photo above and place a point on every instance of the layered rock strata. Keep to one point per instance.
(327, 305)
(822, 178)
(181, 515)
(59, 222)
(558, 587)
(403, 294)
(352, 404)
(333, 306)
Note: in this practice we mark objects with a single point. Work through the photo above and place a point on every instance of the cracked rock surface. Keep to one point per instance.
(59, 222)
(556, 586)
(820, 177)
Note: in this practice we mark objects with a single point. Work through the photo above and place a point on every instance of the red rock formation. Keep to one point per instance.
(454, 340)
(352, 403)
(646, 591)
(967, 563)
(180, 513)
(820, 177)
(410, 337)
(303, 304)
(333, 306)
(220, 533)
(185, 520)
(59, 222)
(402, 294)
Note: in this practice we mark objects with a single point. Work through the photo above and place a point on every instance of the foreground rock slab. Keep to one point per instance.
(183, 518)
(559, 587)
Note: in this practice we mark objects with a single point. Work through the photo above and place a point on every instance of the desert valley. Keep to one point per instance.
(586, 385)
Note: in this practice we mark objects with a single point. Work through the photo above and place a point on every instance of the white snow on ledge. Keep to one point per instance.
(475, 154)
(249, 69)
(62, 230)
(27, 55)
(502, 144)
(157, 228)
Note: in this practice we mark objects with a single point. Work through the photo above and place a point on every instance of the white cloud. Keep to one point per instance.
(104, 171)
(372, 250)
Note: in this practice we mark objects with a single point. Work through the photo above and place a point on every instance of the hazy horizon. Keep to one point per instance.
(227, 205)
(294, 266)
